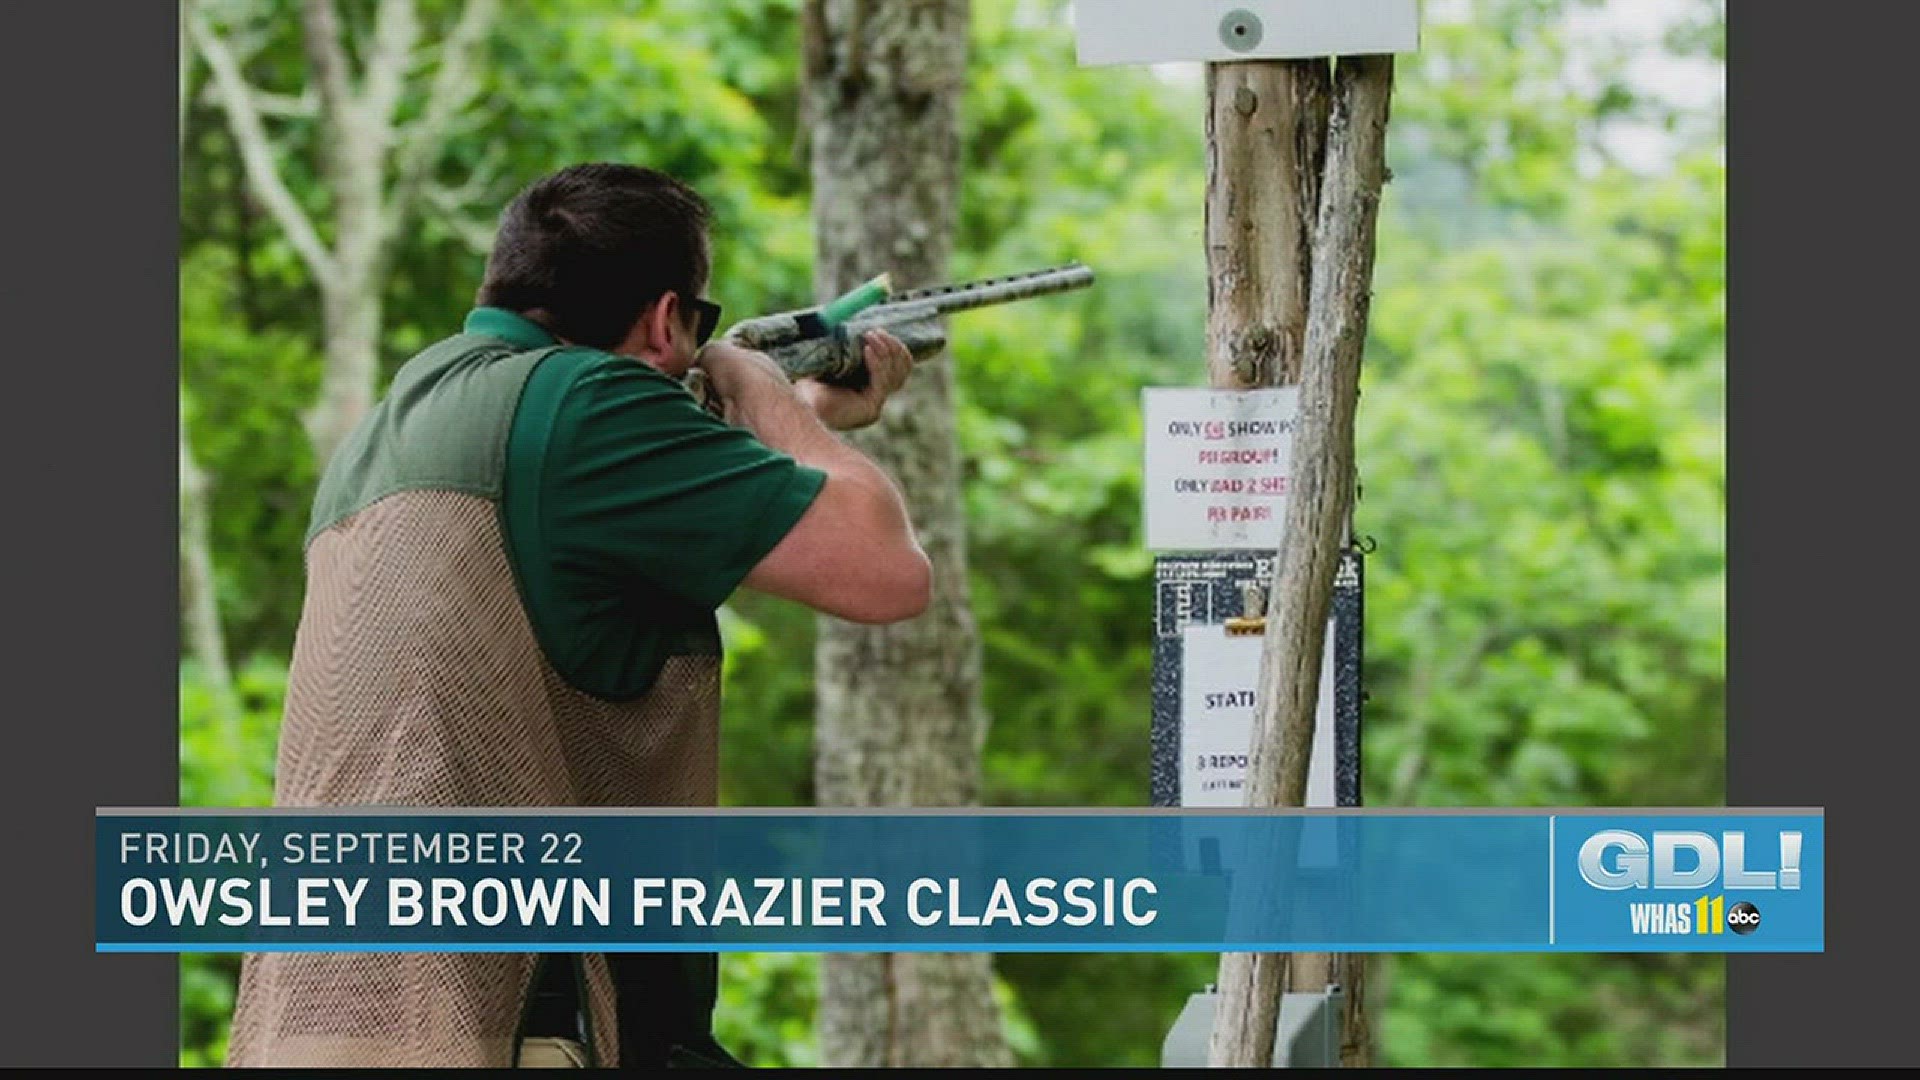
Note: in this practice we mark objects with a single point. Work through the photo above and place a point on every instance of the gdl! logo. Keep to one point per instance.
(1616, 860)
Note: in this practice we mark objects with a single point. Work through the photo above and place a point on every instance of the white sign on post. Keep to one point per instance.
(1217, 468)
(1217, 677)
(1158, 31)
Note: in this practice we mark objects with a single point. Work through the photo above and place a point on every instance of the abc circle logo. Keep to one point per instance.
(1743, 918)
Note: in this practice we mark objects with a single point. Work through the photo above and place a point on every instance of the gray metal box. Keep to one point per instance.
(1307, 1035)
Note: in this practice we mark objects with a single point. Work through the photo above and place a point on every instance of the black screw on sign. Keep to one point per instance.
(1240, 30)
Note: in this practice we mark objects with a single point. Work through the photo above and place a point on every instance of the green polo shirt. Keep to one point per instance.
(630, 513)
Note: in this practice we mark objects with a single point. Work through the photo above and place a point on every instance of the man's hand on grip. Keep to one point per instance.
(844, 409)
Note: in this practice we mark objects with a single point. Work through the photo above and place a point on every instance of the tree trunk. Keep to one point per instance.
(1319, 506)
(375, 173)
(900, 721)
(206, 641)
(356, 130)
(1266, 144)
(350, 319)
(199, 600)
(1356, 172)
(1266, 141)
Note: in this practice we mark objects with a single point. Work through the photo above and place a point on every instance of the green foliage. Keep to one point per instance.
(1542, 447)
(228, 761)
(765, 1013)
(245, 390)
(224, 761)
(767, 1002)
(1506, 1010)
(1541, 441)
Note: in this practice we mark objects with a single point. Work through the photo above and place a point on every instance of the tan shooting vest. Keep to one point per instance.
(416, 680)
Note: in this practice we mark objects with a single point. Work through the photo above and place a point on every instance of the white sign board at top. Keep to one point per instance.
(1157, 31)
(1217, 472)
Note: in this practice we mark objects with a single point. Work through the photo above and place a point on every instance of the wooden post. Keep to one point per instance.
(1287, 306)
(1266, 140)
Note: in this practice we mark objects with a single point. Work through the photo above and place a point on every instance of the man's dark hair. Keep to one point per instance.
(594, 245)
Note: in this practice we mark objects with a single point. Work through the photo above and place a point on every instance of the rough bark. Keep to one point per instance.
(1266, 137)
(1319, 503)
(900, 721)
(1266, 148)
(1356, 1029)
(361, 146)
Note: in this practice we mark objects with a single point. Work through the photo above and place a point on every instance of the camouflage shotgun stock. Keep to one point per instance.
(807, 345)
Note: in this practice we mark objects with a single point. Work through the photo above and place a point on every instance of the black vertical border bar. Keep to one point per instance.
(90, 283)
(1820, 580)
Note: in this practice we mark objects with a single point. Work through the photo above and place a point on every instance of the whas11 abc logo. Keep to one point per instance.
(1617, 860)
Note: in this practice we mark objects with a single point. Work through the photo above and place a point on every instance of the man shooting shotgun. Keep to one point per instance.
(513, 567)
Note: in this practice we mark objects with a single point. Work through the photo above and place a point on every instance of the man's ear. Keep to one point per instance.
(662, 318)
(652, 333)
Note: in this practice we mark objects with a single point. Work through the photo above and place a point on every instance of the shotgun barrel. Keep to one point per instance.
(806, 346)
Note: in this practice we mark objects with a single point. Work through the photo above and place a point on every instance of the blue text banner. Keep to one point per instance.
(965, 880)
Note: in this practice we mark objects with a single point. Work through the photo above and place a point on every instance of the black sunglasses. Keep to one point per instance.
(707, 314)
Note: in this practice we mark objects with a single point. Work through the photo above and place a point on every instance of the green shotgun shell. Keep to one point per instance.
(835, 312)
